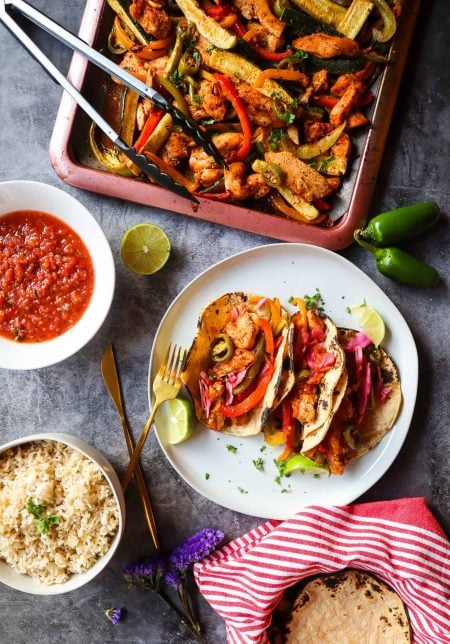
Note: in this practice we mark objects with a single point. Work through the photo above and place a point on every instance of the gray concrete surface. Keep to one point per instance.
(71, 396)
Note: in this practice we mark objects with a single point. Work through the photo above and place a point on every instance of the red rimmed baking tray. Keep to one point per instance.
(72, 161)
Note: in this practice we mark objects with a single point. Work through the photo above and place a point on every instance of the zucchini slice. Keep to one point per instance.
(233, 65)
(121, 8)
(305, 209)
(207, 26)
(324, 10)
(302, 24)
(356, 16)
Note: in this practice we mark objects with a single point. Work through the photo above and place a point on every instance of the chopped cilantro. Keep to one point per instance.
(210, 48)
(316, 476)
(242, 491)
(207, 121)
(197, 98)
(176, 78)
(314, 301)
(276, 136)
(281, 110)
(298, 55)
(322, 164)
(206, 475)
(263, 448)
(281, 466)
(286, 489)
(258, 463)
(232, 449)
(259, 148)
(189, 42)
(42, 523)
(348, 309)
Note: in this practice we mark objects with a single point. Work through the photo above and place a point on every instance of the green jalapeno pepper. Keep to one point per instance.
(400, 266)
(174, 92)
(222, 348)
(400, 224)
(254, 369)
(190, 62)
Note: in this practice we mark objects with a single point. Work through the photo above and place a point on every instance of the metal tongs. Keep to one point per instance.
(188, 126)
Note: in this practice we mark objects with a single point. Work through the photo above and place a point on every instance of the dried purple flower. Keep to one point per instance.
(113, 614)
(195, 548)
(146, 573)
(147, 568)
(172, 578)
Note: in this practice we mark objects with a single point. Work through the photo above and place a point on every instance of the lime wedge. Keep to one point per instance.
(145, 248)
(177, 417)
(370, 322)
(305, 464)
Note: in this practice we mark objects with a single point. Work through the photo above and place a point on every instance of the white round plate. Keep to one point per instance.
(32, 195)
(228, 476)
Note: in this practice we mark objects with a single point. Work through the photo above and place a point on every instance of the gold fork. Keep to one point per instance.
(166, 385)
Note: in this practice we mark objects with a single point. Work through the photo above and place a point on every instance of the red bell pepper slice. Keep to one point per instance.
(266, 328)
(231, 411)
(231, 94)
(324, 100)
(147, 130)
(219, 12)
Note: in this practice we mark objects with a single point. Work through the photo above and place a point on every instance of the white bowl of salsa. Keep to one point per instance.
(57, 275)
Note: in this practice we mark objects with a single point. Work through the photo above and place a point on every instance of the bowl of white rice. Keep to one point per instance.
(62, 513)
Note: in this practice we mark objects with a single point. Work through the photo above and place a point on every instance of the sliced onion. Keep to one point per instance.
(359, 340)
(262, 302)
(363, 397)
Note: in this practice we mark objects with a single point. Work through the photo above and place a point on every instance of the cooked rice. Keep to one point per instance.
(70, 486)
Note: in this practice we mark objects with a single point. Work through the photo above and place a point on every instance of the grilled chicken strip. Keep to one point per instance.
(261, 11)
(326, 46)
(154, 21)
(300, 177)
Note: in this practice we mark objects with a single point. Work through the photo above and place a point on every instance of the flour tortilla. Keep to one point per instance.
(331, 391)
(381, 417)
(348, 607)
(211, 321)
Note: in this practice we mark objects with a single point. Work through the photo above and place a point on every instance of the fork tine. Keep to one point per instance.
(180, 366)
(176, 366)
(171, 366)
(163, 366)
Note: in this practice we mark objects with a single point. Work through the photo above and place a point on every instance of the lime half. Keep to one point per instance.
(370, 322)
(177, 419)
(145, 248)
(304, 464)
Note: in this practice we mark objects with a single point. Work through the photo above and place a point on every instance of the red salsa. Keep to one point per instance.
(46, 276)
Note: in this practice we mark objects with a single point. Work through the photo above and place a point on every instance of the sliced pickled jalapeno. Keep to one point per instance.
(273, 175)
(222, 348)
(190, 62)
(255, 367)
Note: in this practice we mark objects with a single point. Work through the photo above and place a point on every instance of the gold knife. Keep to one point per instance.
(111, 378)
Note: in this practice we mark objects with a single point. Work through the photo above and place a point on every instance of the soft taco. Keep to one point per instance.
(318, 385)
(350, 606)
(238, 362)
(369, 407)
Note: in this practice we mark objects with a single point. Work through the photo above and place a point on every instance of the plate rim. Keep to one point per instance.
(255, 250)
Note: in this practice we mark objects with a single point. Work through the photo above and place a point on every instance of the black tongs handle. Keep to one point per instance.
(188, 126)
(150, 169)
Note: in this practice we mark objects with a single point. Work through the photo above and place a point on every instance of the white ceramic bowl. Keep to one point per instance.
(31, 195)
(27, 584)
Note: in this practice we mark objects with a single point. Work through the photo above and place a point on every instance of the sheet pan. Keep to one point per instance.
(72, 161)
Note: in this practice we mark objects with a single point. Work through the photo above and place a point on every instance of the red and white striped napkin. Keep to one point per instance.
(400, 541)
